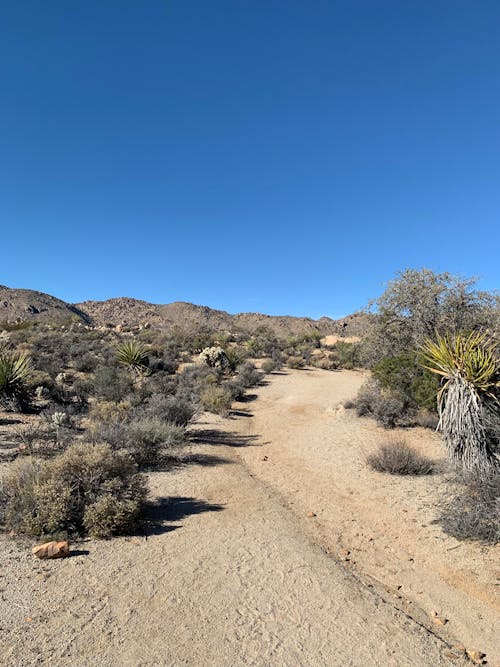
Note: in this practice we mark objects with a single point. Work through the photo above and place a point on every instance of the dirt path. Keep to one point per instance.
(227, 575)
(380, 525)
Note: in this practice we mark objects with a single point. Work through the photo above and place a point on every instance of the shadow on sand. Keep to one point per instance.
(160, 513)
(213, 436)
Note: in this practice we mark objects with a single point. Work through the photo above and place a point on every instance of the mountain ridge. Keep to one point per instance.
(20, 305)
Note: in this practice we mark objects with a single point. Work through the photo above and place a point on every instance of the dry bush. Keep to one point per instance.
(247, 375)
(388, 408)
(171, 409)
(472, 512)
(87, 489)
(398, 458)
(150, 439)
(217, 399)
(268, 366)
(295, 362)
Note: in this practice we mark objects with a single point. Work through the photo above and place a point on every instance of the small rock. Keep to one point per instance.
(310, 515)
(476, 656)
(51, 550)
(440, 620)
(265, 458)
(460, 648)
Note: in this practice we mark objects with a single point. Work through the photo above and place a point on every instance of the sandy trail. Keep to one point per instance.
(382, 526)
(227, 574)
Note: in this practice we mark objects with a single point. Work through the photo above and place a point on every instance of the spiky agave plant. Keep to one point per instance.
(469, 366)
(133, 355)
(15, 368)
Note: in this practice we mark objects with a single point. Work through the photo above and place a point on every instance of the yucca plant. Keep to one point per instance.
(15, 368)
(469, 366)
(133, 355)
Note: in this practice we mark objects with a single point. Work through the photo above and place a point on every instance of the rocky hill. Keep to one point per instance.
(17, 305)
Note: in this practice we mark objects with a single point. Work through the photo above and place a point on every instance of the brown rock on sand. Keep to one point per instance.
(51, 550)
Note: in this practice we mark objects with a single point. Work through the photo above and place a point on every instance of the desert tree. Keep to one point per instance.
(418, 303)
(468, 400)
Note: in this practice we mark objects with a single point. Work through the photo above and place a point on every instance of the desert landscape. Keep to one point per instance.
(267, 537)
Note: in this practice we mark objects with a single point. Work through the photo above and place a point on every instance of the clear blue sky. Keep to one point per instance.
(278, 156)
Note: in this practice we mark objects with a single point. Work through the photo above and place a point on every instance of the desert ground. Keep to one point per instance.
(230, 570)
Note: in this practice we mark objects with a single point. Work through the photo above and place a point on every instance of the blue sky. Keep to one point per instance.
(282, 156)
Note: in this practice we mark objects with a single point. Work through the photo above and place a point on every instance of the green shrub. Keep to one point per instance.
(133, 355)
(69, 493)
(235, 356)
(398, 458)
(403, 375)
(15, 370)
(217, 399)
(347, 354)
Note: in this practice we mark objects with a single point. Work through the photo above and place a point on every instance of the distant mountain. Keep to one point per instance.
(25, 304)
(18, 305)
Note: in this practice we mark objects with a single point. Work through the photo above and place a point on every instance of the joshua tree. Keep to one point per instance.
(133, 354)
(468, 401)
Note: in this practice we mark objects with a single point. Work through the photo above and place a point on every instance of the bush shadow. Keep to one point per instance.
(161, 512)
(217, 437)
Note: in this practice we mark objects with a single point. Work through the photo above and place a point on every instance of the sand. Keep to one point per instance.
(230, 571)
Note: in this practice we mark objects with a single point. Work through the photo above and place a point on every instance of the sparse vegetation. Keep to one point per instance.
(472, 509)
(398, 458)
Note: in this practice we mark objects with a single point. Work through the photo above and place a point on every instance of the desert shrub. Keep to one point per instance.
(70, 493)
(398, 458)
(404, 376)
(109, 411)
(193, 380)
(162, 361)
(387, 408)
(268, 366)
(472, 512)
(171, 409)
(82, 390)
(325, 361)
(15, 370)
(235, 356)
(247, 375)
(348, 355)
(112, 383)
(133, 355)
(295, 362)
(149, 439)
(86, 363)
(214, 357)
(217, 399)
